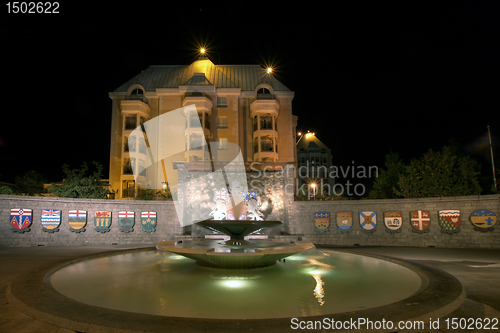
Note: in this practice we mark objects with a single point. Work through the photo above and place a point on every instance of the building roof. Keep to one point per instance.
(309, 140)
(245, 77)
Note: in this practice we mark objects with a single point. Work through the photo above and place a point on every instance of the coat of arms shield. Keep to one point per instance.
(344, 221)
(77, 220)
(393, 221)
(102, 221)
(483, 220)
(449, 220)
(148, 221)
(368, 221)
(251, 195)
(126, 221)
(420, 221)
(322, 221)
(20, 220)
(51, 219)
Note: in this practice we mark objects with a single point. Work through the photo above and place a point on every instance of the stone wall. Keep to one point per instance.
(301, 222)
(167, 224)
(297, 216)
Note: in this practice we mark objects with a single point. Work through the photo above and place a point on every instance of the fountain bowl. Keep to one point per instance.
(235, 252)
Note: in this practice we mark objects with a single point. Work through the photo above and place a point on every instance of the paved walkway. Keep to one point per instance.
(477, 270)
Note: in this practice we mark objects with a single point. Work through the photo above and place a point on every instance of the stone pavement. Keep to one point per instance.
(478, 271)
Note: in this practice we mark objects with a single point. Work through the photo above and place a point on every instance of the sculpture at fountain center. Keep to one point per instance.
(253, 209)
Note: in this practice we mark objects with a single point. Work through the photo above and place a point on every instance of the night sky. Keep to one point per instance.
(367, 80)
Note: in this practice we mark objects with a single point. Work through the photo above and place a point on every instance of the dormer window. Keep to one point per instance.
(137, 93)
(264, 93)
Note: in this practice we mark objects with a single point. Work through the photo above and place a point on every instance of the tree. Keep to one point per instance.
(440, 174)
(6, 190)
(31, 183)
(77, 184)
(386, 184)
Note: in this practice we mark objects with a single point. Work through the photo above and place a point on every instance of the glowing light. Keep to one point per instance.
(176, 257)
(299, 133)
(313, 185)
(233, 283)
(309, 135)
(202, 50)
(269, 70)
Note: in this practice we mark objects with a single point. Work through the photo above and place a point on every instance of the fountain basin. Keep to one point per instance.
(313, 283)
(32, 293)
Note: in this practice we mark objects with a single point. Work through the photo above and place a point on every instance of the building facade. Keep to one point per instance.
(240, 104)
(314, 165)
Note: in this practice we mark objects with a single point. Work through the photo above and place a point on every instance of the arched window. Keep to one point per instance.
(264, 93)
(137, 93)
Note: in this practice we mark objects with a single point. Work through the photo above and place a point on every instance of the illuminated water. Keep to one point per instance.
(316, 282)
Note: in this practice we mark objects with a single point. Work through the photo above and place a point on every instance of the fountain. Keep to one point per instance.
(229, 274)
(256, 282)
(235, 252)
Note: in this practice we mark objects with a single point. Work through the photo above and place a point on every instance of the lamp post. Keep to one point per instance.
(492, 159)
(300, 137)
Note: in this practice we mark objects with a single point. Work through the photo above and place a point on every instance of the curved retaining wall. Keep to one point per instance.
(298, 218)
(301, 222)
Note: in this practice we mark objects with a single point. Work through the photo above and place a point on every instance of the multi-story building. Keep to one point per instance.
(241, 104)
(314, 165)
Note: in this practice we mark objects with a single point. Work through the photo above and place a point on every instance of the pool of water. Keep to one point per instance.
(315, 282)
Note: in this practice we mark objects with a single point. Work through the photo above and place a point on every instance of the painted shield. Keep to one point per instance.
(51, 219)
(77, 220)
(148, 221)
(393, 220)
(449, 220)
(220, 195)
(322, 221)
(368, 220)
(20, 219)
(420, 220)
(483, 219)
(344, 221)
(251, 195)
(102, 221)
(126, 221)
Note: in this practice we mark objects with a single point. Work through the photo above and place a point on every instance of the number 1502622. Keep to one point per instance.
(32, 7)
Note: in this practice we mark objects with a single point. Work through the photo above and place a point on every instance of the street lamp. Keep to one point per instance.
(313, 186)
